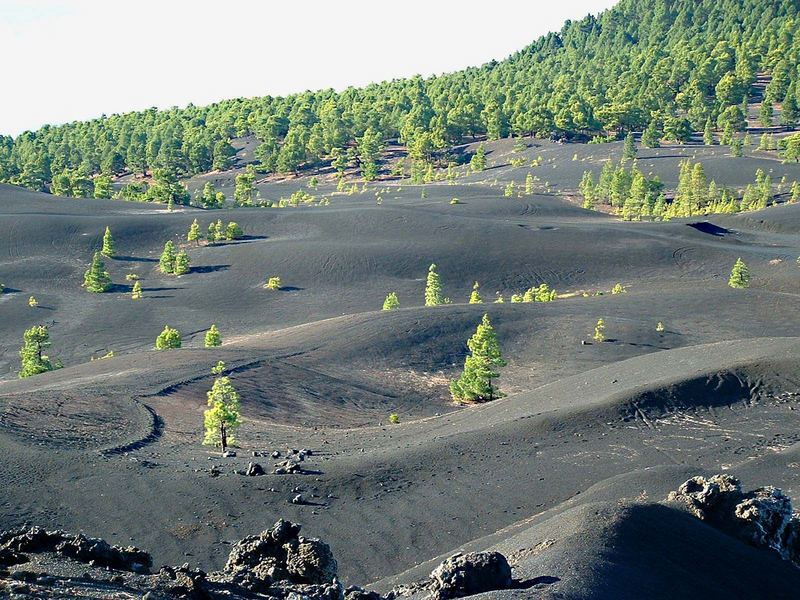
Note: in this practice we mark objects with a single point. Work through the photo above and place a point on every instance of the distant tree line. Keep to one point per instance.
(665, 67)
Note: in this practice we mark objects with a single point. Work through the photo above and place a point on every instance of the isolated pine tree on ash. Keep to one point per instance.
(391, 302)
(740, 275)
(600, 331)
(167, 261)
(475, 383)
(108, 244)
(136, 292)
(33, 362)
(433, 288)
(96, 279)
(168, 339)
(194, 234)
(213, 337)
(222, 417)
(475, 296)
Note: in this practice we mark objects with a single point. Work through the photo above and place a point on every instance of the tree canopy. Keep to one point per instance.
(668, 65)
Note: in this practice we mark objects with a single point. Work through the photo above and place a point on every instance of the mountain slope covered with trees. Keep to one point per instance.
(666, 66)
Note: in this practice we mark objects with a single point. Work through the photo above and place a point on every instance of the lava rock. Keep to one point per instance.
(467, 574)
(763, 517)
(254, 470)
(310, 561)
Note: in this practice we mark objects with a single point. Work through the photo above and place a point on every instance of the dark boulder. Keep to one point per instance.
(468, 574)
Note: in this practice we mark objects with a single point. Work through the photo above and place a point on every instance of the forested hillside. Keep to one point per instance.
(665, 66)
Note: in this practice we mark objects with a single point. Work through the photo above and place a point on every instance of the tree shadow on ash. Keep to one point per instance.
(246, 239)
(209, 269)
(289, 288)
(134, 259)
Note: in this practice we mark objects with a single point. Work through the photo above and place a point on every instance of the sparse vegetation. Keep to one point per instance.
(475, 383)
(222, 418)
(599, 331)
(169, 339)
(194, 234)
(96, 279)
(475, 296)
(33, 360)
(108, 244)
(182, 262)
(213, 337)
(740, 275)
(391, 302)
(166, 262)
(273, 283)
(433, 288)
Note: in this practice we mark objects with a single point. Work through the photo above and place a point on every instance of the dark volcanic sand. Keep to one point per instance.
(111, 447)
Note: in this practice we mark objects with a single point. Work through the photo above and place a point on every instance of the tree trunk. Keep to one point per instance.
(223, 437)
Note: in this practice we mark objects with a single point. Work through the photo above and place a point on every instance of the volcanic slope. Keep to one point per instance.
(320, 367)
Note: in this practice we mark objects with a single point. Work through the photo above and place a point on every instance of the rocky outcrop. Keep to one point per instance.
(80, 548)
(278, 563)
(468, 574)
(763, 517)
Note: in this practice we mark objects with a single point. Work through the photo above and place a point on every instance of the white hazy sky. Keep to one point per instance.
(77, 59)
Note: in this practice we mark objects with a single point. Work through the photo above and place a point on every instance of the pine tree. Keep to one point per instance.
(740, 275)
(167, 261)
(33, 302)
(766, 114)
(108, 244)
(790, 113)
(136, 292)
(650, 136)
(528, 184)
(212, 232)
(600, 331)
(96, 278)
(478, 161)
(587, 190)
(33, 362)
(708, 133)
(168, 339)
(213, 338)
(475, 382)
(222, 418)
(660, 327)
(433, 288)
(475, 296)
(194, 234)
(795, 192)
(219, 231)
(391, 302)
(181, 263)
(737, 147)
(629, 148)
(233, 231)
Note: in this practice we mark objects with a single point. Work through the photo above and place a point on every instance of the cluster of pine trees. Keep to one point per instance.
(635, 197)
(626, 189)
(665, 67)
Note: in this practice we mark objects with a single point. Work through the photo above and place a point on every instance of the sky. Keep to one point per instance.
(70, 60)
